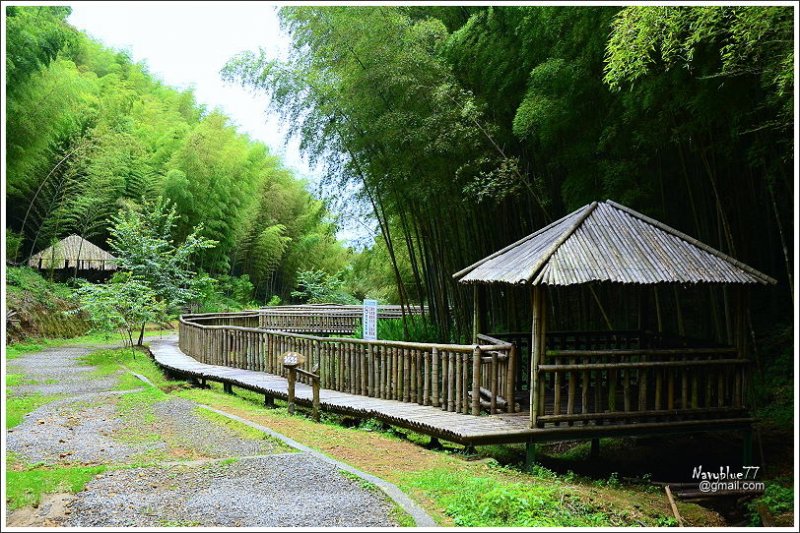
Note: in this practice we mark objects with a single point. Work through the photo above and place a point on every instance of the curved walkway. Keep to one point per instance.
(168, 464)
(455, 427)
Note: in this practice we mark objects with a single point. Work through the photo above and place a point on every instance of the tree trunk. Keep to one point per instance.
(141, 335)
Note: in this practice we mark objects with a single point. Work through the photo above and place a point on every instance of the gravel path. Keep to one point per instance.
(273, 491)
(258, 484)
(178, 418)
(67, 432)
(58, 371)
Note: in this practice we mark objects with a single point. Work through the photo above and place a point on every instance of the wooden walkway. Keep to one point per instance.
(455, 427)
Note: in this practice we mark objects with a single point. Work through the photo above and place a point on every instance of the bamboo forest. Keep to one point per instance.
(421, 265)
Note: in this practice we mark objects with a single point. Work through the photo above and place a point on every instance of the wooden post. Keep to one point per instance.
(315, 398)
(426, 387)
(476, 380)
(673, 506)
(493, 384)
(530, 454)
(292, 376)
(435, 377)
(538, 328)
(476, 314)
(510, 377)
(451, 386)
(594, 453)
(371, 371)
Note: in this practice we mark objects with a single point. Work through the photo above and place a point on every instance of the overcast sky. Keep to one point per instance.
(186, 44)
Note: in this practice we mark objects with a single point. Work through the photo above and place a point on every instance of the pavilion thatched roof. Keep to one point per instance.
(606, 241)
(67, 252)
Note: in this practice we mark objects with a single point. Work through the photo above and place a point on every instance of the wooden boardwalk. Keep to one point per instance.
(455, 427)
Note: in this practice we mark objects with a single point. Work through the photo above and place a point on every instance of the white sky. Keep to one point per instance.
(186, 44)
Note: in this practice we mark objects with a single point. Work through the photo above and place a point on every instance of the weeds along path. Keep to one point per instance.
(89, 444)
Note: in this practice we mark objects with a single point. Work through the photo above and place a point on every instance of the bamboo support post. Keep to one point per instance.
(290, 392)
(510, 377)
(435, 377)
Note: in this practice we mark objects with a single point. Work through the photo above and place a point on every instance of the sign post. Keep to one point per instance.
(291, 360)
(369, 321)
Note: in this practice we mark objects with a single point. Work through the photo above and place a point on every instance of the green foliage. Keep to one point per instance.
(124, 303)
(482, 502)
(316, 287)
(471, 128)
(27, 280)
(416, 329)
(777, 498)
(748, 41)
(13, 244)
(35, 36)
(142, 240)
(772, 391)
(90, 130)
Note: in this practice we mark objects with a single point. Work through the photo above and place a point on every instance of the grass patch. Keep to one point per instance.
(399, 516)
(18, 406)
(136, 411)
(111, 361)
(26, 487)
(482, 502)
(243, 430)
(12, 380)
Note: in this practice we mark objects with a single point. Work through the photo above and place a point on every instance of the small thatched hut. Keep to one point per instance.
(73, 252)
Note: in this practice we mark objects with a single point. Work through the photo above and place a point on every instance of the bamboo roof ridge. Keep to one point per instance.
(71, 251)
(606, 241)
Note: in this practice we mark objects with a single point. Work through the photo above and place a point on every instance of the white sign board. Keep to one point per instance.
(369, 321)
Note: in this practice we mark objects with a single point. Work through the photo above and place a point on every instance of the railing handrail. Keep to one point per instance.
(641, 351)
(464, 378)
(461, 348)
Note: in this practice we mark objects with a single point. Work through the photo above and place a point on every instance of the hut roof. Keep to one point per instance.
(91, 256)
(606, 241)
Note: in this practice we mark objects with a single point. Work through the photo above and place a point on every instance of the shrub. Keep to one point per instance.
(317, 287)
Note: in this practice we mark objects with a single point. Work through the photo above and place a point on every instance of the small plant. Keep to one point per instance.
(124, 304)
(776, 498)
(613, 480)
(318, 287)
(542, 472)
(666, 521)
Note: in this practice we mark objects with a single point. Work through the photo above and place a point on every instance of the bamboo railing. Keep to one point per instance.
(328, 319)
(455, 377)
(631, 377)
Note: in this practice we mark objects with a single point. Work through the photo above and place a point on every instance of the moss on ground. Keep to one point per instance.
(17, 406)
(25, 487)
